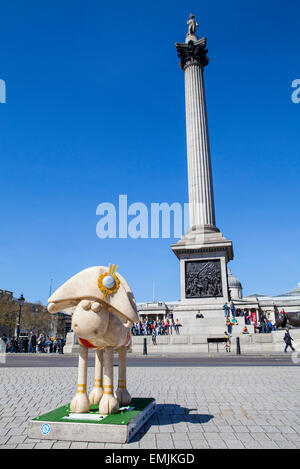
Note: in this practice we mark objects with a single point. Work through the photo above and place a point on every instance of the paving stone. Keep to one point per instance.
(202, 444)
(148, 444)
(285, 444)
(96, 445)
(79, 445)
(285, 429)
(228, 436)
(131, 445)
(240, 429)
(292, 436)
(260, 436)
(8, 446)
(14, 440)
(201, 411)
(255, 429)
(61, 445)
(179, 436)
(113, 446)
(44, 445)
(185, 444)
(217, 444)
(269, 445)
(25, 446)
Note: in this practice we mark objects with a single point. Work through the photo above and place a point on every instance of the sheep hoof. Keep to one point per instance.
(123, 396)
(80, 404)
(108, 405)
(95, 395)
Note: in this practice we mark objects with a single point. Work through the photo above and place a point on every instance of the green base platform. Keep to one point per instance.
(60, 424)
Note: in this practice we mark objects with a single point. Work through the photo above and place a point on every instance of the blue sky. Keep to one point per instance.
(95, 108)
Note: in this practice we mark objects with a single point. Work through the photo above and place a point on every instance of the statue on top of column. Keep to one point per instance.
(192, 25)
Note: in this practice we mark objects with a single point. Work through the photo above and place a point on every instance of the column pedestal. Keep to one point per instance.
(203, 259)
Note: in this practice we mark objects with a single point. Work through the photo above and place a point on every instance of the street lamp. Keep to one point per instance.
(21, 302)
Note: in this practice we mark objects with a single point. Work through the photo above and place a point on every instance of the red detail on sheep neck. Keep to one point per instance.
(86, 343)
(128, 339)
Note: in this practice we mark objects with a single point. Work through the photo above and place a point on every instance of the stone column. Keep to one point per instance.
(193, 60)
(203, 251)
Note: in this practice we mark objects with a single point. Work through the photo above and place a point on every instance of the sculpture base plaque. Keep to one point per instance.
(61, 424)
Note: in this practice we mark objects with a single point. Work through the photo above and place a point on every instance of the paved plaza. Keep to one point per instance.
(198, 407)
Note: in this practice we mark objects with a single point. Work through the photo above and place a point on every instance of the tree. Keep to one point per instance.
(34, 317)
(9, 309)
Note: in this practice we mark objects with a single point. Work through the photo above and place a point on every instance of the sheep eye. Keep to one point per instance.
(86, 305)
(96, 307)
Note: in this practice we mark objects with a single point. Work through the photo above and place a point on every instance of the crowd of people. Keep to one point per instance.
(33, 344)
(156, 327)
(263, 326)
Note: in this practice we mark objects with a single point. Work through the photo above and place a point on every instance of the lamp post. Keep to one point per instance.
(21, 302)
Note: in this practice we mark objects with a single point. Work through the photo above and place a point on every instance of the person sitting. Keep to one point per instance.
(229, 325)
(245, 330)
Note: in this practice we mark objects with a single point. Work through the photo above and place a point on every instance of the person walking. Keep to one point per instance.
(55, 345)
(32, 343)
(50, 345)
(13, 345)
(288, 341)
(227, 341)
(226, 310)
(153, 336)
(176, 327)
(3, 341)
(232, 309)
(40, 343)
(60, 341)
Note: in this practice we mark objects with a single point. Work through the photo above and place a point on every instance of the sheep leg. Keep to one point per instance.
(80, 403)
(122, 394)
(97, 391)
(108, 403)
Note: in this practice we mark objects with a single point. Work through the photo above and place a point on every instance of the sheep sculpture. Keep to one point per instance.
(105, 310)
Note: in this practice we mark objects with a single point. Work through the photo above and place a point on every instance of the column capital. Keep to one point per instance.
(192, 53)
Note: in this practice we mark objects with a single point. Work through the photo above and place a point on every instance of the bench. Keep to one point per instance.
(215, 340)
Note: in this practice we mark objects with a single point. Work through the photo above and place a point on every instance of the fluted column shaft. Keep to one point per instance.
(201, 198)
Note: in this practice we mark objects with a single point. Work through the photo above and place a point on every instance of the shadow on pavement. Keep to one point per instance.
(169, 414)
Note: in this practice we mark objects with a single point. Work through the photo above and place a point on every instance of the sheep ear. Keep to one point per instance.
(55, 307)
(124, 320)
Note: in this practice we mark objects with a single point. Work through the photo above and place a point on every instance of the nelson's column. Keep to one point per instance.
(203, 251)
